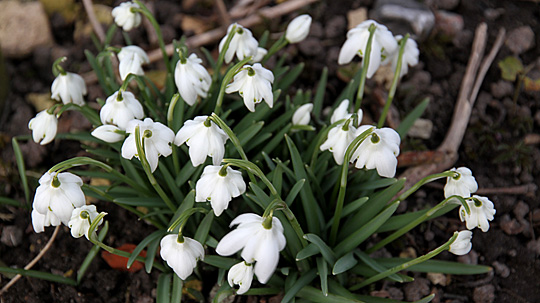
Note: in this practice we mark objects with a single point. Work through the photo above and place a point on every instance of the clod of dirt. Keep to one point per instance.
(534, 245)
(510, 226)
(521, 210)
(520, 40)
(501, 89)
(395, 293)
(11, 236)
(484, 294)
(449, 23)
(417, 289)
(437, 278)
(501, 269)
(335, 27)
(470, 258)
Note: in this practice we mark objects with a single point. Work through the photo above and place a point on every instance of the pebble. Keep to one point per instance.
(335, 27)
(417, 289)
(521, 209)
(11, 236)
(449, 23)
(494, 13)
(437, 278)
(484, 294)
(421, 128)
(520, 40)
(404, 16)
(501, 89)
(470, 258)
(23, 27)
(510, 226)
(534, 245)
(395, 293)
(501, 269)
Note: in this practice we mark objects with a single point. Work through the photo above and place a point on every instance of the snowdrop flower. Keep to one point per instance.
(81, 218)
(242, 43)
(410, 56)
(219, 184)
(254, 83)
(181, 254)
(258, 243)
(298, 29)
(378, 150)
(124, 17)
(462, 244)
(204, 138)
(120, 108)
(109, 133)
(242, 275)
(482, 211)
(382, 47)
(192, 79)
(39, 221)
(131, 58)
(59, 193)
(68, 88)
(338, 140)
(44, 126)
(157, 141)
(342, 112)
(302, 115)
(463, 184)
(261, 52)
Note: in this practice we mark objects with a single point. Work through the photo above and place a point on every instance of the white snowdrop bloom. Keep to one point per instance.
(182, 257)
(261, 52)
(108, 133)
(120, 108)
(157, 141)
(242, 44)
(342, 112)
(298, 29)
(131, 58)
(257, 243)
(81, 219)
(378, 150)
(241, 274)
(482, 211)
(192, 79)
(462, 244)
(338, 140)
(410, 56)
(254, 83)
(302, 115)
(204, 138)
(382, 47)
(43, 126)
(68, 88)
(219, 187)
(39, 221)
(124, 17)
(464, 184)
(59, 193)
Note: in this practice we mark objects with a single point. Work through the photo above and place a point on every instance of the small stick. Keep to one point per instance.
(223, 14)
(93, 20)
(33, 262)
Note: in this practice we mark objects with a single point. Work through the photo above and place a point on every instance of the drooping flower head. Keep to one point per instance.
(59, 193)
(463, 184)
(254, 83)
(261, 52)
(342, 112)
(382, 47)
(482, 211)
(40, 221)
(120, 108)
(241, 274)
(204, 138)
(125, 17)
(462, 244)
(242, 44)
(109, 133)
(410, 56)
(338, 140)
(131, 59)
(298, 29)
(302, 115)
(44, 126)
(68, 88)
(81, 218)
(157, 141)
(379, 150)
(181, 255)
(192, 79)
(259, 243)
(219, 185)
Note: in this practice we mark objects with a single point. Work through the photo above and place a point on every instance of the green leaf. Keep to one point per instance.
(9, 201)
(22, 168)
(408, 122)
(92, 253)
(326, 251)
(164, 288)
(250, 132)
(157, 235)
(178, 284)
(510, 67)
(353, 206)
(140, 201)
(344, 263)
(319, 95)
(322, 270)
(289, 78)
(185, 173)
(437, 266)
(204, 227)
(38, 274)
(169, 180)
(219, 261)
(307, 252)
(314, 295)
(294, 191)
(399, 221)
(376, 266)
(303, 281)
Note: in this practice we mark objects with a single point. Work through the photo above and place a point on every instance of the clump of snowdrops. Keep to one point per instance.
(240, 174)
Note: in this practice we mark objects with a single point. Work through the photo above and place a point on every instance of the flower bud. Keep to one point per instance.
(462, 244)
(298, 29)
(124, 17)
(44, 127)
(108, 133)
(242, 275)
(302, 115)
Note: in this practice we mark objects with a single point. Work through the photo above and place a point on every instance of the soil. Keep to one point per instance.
(501, 147)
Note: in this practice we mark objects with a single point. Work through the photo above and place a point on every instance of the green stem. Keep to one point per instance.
(86, 110)
(126, 81)
(279, 44)
(406, 265)
(56, 68)
(365, 64)
(423, 181)
(144, 10)
(182, 219)
(146, 166)
(221, 56)
(170, 122)
(228, 77)
(397, 74)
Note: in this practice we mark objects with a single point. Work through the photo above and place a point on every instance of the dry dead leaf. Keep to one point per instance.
(356, 17)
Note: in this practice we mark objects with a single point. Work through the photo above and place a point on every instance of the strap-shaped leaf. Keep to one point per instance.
(322, 270)
(163, 294)
(326, 251)
(157, 235)
(307, 252)
(344, 263)
(408, 122)
(303, 281)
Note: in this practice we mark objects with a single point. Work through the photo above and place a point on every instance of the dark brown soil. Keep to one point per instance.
(498, 147)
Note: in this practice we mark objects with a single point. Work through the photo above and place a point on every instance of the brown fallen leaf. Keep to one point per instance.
(120, 263)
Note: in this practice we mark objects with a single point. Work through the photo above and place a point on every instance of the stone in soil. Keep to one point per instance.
(448, 23)
(417, 289)
(484, 294)
(501, 269)
(501, 89)
(11, 235)
(520, 40)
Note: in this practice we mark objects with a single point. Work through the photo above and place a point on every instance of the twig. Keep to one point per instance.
(33, 262)
(88, 7)
(150, 32)
(223, 14)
